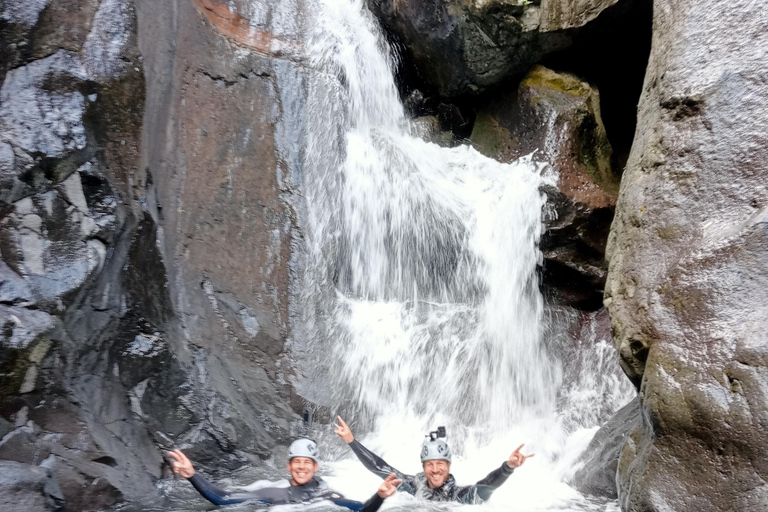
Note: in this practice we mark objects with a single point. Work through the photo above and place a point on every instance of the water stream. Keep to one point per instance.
(418, 303)
(429, 312)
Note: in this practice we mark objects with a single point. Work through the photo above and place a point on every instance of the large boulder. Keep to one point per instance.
(461, 46)
(600, 461)
(688, 251)
(557, 116)
(27, 488)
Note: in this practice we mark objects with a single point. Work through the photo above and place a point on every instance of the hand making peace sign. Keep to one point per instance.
(343, 431)
(181, 464)
(389, 486)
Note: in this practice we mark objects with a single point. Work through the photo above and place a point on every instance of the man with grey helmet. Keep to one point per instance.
(305, 486)
(436, 482)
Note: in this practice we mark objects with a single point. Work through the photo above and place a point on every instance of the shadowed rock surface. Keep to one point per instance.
(687, 285)
(466, 46)
(600, 460)
(27, 488)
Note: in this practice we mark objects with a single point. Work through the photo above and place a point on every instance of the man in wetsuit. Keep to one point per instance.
(436, 483)
(305, 485)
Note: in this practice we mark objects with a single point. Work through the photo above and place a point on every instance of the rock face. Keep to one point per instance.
(558, 116)
(461, 46)
(27, 488)
(687, 284)
(145, 233)
(212, 151)
(600, 460)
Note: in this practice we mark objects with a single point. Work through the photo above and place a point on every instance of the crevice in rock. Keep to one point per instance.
(106, 460)
(613, 55)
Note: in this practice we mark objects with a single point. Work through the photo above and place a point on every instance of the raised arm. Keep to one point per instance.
(370, 460)
(183, 466)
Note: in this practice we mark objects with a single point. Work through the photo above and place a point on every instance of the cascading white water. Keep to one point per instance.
(421, 288)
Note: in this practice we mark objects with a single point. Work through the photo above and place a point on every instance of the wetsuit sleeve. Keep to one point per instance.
(373, 504)
(214, 494)
(379, 466)
(218, 496)
(483, 489)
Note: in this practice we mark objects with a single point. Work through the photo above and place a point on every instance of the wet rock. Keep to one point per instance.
(73, 190)
(13, 288)
(461, 46)
(687, 285)
(27, 488)
(104, 45)
(87, 491)
(600, 460)
(557, 116)
(23, 12)
(38, 120)
(227, 225)
(55, 240)
(429, 128)
(21, 326)
(5, 427)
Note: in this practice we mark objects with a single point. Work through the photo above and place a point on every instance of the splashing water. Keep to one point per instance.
(421, 303)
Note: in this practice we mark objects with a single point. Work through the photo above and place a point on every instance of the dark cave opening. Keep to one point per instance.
(612, 54)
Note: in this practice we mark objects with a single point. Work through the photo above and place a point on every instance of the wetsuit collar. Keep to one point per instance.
(309, 485)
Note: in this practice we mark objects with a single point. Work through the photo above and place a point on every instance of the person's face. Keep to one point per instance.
(437, 472)
(302, 470)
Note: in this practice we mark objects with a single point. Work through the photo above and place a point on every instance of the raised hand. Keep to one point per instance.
(181, 464)
(516, 459)
(343, 431)
(389, 486)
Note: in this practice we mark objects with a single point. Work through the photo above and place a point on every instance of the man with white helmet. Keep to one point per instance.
(436, 483)
(305, 485)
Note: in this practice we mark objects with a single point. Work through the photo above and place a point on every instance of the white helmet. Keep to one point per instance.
(435, 449)
(303, 447)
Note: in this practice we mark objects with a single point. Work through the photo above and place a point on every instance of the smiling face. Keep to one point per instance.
(302, 470)
(437, 472)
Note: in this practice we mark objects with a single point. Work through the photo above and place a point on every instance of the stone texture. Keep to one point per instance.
(22, 12)
(461, 46)
(565, 14)
(687, 285)
(144, 277)
(27, 488)
(227, 227)
(600, 461)
(79, 281)
(38, 120)
(56, 240)
(557, 116)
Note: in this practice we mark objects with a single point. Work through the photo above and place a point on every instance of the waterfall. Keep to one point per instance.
(420, 300)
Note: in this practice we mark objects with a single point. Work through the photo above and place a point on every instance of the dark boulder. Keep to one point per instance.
(557, 116)
(466, 46)
(600, 461)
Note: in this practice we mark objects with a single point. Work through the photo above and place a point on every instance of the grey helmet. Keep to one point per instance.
(303, 447)
(435, 449)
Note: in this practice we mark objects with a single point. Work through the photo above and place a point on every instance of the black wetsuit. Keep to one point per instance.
(314, 490)
(417, 484)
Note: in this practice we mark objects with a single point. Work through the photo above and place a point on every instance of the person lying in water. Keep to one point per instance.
(436, 483)
(305, 485)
